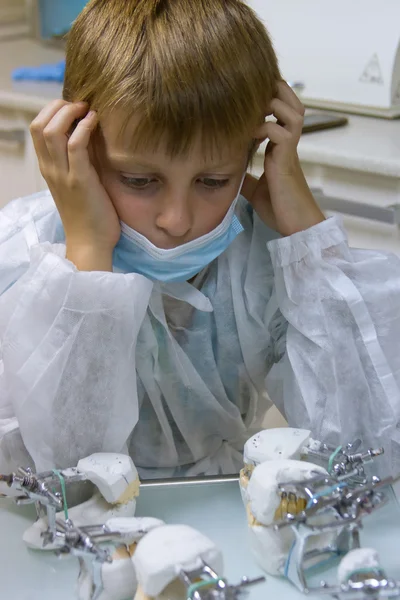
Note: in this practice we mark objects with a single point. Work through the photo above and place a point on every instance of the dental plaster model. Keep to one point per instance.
(114, 475)
(361, 558)
(300, 516)
(297, 444)
(266, 505)
(175, 559)
(277, 444)
(271, 444)
(170, 554)
(361, 577)
(176, 562)
(113, 579)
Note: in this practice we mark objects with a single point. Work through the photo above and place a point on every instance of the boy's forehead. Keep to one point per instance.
(119, 146)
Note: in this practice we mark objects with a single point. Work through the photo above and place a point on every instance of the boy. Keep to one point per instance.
(155, 295)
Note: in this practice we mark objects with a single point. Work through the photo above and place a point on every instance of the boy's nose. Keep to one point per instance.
(175, 218)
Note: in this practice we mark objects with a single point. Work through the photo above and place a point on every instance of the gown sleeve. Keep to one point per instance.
(67, 354)
(340, 373)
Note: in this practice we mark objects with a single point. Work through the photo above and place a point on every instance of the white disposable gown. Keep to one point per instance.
(178, 374)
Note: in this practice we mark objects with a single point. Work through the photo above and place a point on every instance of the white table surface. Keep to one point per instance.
(214, 509)
(365, 144)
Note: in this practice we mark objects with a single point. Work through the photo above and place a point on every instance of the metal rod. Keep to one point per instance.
(189, 480)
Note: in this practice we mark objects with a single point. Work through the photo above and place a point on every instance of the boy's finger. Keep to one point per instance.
(287, 95)
(56, 132)
(278, 134)
(261, 132)
(78, 144)
(39, 123)
(287, 117)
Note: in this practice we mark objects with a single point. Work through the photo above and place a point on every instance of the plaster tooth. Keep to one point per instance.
(266, 505)
(119, 577)
(360, 558)
(117, 482)
(164, 552)
(279, 443)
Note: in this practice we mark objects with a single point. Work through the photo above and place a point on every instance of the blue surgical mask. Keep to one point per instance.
(136, 254)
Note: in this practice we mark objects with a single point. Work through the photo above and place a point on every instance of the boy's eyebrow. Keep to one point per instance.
(130, 161)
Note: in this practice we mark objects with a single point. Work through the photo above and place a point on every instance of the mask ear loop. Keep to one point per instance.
(240, 187)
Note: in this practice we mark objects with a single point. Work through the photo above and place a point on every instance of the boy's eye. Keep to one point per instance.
(139, 183)
(214, 183)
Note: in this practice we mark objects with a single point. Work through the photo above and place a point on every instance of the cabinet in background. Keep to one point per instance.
(19, 169)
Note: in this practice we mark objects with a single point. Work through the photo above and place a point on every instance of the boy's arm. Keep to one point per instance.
(68, 328)
(340, 373)
(67, 345)
(282, 197)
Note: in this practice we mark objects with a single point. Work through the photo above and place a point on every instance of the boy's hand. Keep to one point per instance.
(90, 221)
(282, 197)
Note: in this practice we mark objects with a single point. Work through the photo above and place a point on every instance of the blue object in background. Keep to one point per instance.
(56, 16)
(53, 72)
(55, 19)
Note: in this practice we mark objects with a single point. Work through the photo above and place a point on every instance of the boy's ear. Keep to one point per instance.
(254, 146)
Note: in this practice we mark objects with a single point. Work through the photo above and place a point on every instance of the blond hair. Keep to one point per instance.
(185, 67)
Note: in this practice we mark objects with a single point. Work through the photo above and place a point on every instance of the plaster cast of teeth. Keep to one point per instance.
(118, 578)
(361, 558)
(289, 443)
(118, 483)
(164, 553)
(361, 576)
(266, 506)
(272, 444)
(114, 475)
(276, 444)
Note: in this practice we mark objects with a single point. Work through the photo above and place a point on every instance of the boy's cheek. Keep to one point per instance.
(116, 194)
(129, 209)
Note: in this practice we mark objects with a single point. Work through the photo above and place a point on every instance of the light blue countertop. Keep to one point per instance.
(215, 509)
